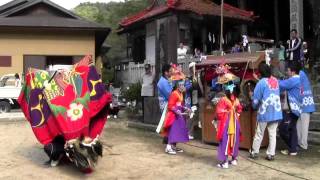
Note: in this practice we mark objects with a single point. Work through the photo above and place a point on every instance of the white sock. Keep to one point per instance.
(169, 146)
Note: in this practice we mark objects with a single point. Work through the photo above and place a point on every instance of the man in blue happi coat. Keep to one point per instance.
(266, 98)
(288, 127)
(164, 87)
(308, 107)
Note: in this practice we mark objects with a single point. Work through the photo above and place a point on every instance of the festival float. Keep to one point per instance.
(243, 65)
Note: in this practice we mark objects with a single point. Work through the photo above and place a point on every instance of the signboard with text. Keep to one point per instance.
(296, 16)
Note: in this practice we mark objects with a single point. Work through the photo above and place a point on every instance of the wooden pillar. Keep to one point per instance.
(243, 5)
(166, 52)
(296, 16)
(151, 104)
(161, 49)
(151, 110)
(172, 38)
(221, 27)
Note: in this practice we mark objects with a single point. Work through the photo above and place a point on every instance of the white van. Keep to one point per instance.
(9, 92)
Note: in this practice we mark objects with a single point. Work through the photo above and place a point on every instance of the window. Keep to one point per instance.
(117, 67)
(5, 61)
(8, 80)
(139, 49)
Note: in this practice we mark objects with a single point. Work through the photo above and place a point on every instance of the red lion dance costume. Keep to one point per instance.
(67, 112)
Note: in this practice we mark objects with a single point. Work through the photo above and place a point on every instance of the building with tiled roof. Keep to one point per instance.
(199, 7)
(40, 33)
(188, 21)
(153, 36)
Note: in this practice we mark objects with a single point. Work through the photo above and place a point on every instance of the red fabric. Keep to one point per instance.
(171, 3)
(210, 74)
(100, 116)
(96, 106)
(87, 171)
(66, 99)
(46, 133)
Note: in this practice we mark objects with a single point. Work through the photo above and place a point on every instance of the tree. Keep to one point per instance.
(88, 11)
(110, 14)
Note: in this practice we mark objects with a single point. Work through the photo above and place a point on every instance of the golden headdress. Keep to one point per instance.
(224, 74)
(177, 73)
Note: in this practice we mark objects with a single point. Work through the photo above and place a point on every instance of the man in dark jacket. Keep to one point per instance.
(295, 45)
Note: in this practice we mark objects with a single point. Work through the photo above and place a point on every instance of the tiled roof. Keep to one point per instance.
(11, 19)
(201, 7)
(145, 14)
(50, 22)
(15, 6)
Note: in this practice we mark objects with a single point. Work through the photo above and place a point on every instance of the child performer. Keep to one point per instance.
(228, 112)
(175, 127)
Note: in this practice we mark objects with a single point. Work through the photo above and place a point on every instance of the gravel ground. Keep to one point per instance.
(136, 154)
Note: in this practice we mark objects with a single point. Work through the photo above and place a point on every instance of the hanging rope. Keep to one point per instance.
(245, 70)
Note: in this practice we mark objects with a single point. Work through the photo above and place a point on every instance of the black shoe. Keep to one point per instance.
(253, 156)
(269, 158)
(178, 150)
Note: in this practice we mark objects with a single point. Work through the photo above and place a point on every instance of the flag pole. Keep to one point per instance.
(221, 27)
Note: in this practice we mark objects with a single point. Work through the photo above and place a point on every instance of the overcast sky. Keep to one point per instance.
(68, 4)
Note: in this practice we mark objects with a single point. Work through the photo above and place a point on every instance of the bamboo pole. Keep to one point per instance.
(221, 27)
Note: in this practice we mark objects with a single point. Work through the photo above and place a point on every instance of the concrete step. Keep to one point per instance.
(315, 116)
(314, 125)
(316, 94)
(314, 137)
(315, 121)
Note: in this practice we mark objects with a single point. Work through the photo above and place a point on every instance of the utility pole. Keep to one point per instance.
(221, 27)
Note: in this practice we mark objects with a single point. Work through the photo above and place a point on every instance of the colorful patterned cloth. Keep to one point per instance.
(72, 103)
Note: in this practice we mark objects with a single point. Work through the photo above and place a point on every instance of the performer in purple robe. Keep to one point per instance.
(228, 112)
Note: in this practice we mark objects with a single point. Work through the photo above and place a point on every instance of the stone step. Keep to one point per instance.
(316, 93)
(314, 125)
(317, 106)
(315, 116)
(314, 137)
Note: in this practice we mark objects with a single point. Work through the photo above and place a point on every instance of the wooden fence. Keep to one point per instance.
(131, 73)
